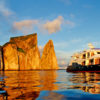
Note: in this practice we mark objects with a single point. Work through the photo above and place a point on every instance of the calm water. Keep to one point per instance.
(49, 85)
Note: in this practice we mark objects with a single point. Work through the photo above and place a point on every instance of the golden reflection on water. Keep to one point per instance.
(27, 85)
(88, 82)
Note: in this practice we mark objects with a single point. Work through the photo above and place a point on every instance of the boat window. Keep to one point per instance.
(88, 55)
(84, 56)
(98, 52)
(91, 61)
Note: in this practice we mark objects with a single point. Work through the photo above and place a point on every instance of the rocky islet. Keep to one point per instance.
(22, 53)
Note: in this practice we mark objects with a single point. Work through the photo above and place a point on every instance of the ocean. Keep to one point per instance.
(49, 85)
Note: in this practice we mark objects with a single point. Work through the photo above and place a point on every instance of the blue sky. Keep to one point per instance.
(71, 24)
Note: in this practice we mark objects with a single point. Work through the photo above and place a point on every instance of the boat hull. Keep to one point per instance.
(89, 68)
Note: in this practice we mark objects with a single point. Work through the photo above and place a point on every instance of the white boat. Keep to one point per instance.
(86, 58)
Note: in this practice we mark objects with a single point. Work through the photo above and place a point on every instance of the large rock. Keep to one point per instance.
(25, 54)
(48, 59)
(28, 53)
(10, 56)
(1, 59)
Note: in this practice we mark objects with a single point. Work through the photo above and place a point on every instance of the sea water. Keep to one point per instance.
(49, 85)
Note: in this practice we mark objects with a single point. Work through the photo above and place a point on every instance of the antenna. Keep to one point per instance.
(90, 45)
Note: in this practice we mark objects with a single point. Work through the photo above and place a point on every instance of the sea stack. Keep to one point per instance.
(48, 59)
(22, 53)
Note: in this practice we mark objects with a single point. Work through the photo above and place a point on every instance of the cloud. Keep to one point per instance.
(7, 16)
(53, 26)
(45, 26)
(25, 25)
(4, 10)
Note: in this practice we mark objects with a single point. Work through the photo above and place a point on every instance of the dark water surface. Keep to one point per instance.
(49, 85)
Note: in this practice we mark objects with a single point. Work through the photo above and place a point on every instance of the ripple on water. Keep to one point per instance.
(48, 85)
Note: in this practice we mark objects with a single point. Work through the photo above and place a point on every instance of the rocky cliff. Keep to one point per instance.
(21, 53)
(1, 59)
(10, 56)
(48, 59)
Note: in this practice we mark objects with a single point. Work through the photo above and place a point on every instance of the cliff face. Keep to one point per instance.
(1, 60)
(48, 59)
(22, 53)
(10, 56)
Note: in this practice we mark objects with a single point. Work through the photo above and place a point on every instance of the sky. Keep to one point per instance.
(71, 24)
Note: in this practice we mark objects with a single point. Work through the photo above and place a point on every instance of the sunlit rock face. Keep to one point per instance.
(26, 54)
(10, 56)
(1, 59)
(22, 53)
(48, 59)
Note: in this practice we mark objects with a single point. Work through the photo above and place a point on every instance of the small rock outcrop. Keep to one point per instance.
(22, 53)
(48, 59)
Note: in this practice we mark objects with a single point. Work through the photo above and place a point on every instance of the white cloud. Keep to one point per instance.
(4, 10)
(45, 26)
(53, 26)
(56, 25)
(25, 26)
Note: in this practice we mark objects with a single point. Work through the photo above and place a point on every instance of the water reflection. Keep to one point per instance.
(48, 78)
(26, 84)
(88, 82)
(47, 85)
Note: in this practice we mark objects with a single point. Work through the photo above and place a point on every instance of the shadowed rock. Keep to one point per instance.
(48, 59)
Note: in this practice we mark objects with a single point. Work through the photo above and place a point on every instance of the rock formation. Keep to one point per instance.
(48, 59)
(10, 56)
(1, 60)
(22, 53)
